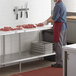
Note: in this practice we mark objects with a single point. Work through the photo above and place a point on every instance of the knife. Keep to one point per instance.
(16, 12)
(26, 12)
(21, 12)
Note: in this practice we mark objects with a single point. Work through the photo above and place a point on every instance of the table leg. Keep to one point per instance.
(40, 36)
(20, 51)
(3, 48)
(20, 66)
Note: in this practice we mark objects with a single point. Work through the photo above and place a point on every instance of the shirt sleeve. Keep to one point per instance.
(56, 13)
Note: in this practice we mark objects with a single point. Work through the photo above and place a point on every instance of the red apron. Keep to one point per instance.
(56, 30)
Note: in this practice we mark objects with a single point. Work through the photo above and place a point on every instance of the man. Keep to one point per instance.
(59, 28)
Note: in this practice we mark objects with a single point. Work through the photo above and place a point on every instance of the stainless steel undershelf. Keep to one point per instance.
(24, 56)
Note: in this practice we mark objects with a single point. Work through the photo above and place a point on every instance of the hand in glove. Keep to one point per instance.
(40, 24)
(45, 23)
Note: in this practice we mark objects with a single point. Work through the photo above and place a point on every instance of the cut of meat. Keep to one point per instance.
(6, 29)
(10, 29)
(19, 26)
(28, 26)
(40, 24)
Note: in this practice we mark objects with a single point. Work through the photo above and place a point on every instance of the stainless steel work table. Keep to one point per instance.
(21, 56)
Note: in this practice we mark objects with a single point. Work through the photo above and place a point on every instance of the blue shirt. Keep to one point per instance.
(59, 14)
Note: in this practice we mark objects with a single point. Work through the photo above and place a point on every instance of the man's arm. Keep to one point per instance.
(56, 15)
(52, 19)
(49, 20)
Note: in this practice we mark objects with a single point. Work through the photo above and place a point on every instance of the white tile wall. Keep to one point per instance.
(70, 5)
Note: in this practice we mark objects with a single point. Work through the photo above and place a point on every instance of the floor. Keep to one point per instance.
(7, 71)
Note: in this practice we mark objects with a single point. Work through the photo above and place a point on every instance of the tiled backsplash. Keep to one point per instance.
(71, 14)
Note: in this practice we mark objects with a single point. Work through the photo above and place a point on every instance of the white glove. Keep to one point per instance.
(45, 23)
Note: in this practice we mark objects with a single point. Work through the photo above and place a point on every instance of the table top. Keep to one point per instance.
(26, 30)
(70, 48)
(71, 17)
